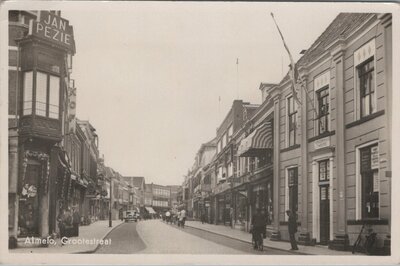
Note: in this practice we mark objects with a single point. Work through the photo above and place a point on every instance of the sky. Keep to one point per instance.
(149, 76)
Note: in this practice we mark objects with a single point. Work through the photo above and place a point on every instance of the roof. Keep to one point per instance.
(341, 27)
(137, 180)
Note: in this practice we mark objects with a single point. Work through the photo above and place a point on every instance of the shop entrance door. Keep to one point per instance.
(324, 214)
(28, 212)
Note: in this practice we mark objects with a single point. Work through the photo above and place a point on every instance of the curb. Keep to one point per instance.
(98, 245)
(249, 242)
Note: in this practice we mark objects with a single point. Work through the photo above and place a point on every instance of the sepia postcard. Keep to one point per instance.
(223, 133)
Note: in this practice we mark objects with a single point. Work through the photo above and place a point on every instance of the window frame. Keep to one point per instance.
(34, 94)
(369, 174)
(359, 182)
(319, 106)
(361, 79)
(289, 115)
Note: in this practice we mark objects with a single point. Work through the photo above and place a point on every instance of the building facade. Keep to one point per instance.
(39, 82)
(323, 150)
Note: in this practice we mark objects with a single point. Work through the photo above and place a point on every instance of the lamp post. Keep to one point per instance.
(109, 211)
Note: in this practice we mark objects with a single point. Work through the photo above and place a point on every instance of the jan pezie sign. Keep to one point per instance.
(52, 28)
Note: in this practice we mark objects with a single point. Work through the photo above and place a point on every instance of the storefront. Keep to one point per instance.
(241, 208)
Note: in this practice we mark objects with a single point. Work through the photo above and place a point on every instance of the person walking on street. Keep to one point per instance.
(76, 219)
(168, 217)
(61, 224)
(182, 218)
(292, 226)
(259, 223)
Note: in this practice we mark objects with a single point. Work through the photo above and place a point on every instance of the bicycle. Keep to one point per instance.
(368, 244)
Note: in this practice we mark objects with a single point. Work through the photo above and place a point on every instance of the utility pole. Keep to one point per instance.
(109, 211)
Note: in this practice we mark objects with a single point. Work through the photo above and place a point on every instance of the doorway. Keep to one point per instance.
(28, 211)
(324, 214)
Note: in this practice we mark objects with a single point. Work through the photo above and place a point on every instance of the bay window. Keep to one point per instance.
(47, 96)
(27, 92)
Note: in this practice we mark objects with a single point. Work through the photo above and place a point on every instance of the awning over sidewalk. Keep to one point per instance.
(260, 140)
(150, 210)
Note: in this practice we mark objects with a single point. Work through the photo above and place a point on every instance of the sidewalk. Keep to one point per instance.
(92, 234)
(246, 237)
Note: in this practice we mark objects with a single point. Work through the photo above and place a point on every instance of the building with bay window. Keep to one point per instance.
(39, 81)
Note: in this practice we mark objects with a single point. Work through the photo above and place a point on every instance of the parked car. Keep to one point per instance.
(130, 216)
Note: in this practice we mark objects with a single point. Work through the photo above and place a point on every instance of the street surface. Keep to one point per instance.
(155, 236)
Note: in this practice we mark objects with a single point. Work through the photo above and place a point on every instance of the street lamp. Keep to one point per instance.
(109, 211)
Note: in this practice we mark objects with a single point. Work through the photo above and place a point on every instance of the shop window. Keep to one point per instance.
(366, 82)
(292, 120)
(369, 158)
(323, 110)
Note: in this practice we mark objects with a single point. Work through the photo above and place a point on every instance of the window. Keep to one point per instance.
(223, 141)
(230, 169)
(28, 87)
(323, 110)
(369, 169)
(47, 99)
(292, 123)
(367, 87)
(219, 147)
(252, 163)
(230, 133)
(323, 170)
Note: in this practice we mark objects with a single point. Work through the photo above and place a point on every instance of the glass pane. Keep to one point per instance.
(28, 85)
(54, 98)
(41, 93)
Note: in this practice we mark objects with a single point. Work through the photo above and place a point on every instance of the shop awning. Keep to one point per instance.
(255, 144)
(150, 210)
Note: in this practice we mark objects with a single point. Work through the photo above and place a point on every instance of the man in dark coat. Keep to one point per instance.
(259, 223)
(76, 219)
(292, 224)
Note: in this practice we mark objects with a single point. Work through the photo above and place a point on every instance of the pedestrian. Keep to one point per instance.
(230, 217)
(61, 225)
(292, 226)
(203, 217)
(68, 223)
(121, 214)
(168, 217)
(76, 219)
(258, 223)
(183, 218)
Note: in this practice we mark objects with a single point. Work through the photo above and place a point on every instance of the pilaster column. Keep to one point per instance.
(304, 156)
(276, 163)
(340, 183)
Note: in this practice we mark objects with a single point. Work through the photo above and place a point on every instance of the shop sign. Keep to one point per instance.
(376, 181)
(54, 29)
(322, 143)
(374, 157)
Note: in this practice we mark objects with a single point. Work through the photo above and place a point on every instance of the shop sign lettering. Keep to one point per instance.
(54, 29)
(374, 157)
